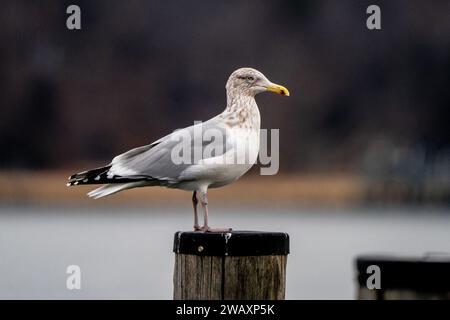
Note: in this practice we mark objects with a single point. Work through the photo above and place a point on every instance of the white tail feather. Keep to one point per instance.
(112, 188)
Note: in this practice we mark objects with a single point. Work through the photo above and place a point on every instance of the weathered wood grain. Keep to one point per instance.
(197, 277)
(255, 277)
(229, 277)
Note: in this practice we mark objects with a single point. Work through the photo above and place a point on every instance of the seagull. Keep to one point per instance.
(233, 151)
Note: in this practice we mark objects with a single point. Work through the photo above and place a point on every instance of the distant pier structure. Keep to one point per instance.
(247, 265)
(403, 278)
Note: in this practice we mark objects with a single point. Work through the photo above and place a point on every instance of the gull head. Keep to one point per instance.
(248, 81)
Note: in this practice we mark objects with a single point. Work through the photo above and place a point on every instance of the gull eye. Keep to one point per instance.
(250, 78)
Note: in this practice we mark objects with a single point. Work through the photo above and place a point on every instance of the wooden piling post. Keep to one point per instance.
(247, 265)
(403, 278)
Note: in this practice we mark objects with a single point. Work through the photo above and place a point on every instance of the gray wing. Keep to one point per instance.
(168, 157)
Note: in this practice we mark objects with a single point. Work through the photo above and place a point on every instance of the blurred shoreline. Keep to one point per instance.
(46, 187)
(335, 190)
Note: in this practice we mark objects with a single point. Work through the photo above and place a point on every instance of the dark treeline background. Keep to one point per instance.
(361, 101)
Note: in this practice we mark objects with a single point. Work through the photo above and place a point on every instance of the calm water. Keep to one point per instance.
(126, 253)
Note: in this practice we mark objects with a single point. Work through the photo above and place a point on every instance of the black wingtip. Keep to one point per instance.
(86, 177)
(72, 183)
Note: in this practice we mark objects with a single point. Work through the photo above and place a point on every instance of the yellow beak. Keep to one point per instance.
(278, 89)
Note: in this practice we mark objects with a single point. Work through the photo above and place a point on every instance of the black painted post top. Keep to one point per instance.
(422, 274)
(234, 243)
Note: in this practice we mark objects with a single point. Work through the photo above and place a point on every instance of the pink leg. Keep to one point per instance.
(206, 227)
(194, 204)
